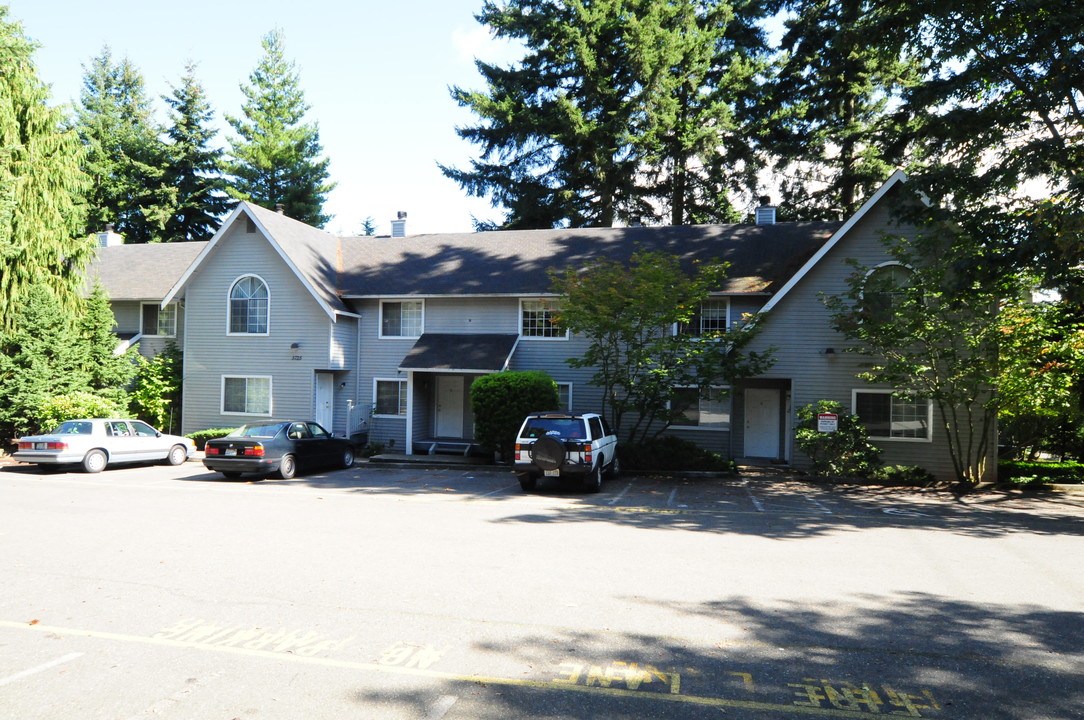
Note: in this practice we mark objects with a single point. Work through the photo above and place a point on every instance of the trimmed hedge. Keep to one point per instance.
(202, 436)
(1040, 473)
(502, 400)
(669, 453)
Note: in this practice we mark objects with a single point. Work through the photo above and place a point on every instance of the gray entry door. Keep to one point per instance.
(449, 420)
(762, 422)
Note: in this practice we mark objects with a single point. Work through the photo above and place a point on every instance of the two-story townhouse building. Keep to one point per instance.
(279, 319)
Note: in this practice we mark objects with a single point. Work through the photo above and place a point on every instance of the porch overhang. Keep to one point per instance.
(461, 353)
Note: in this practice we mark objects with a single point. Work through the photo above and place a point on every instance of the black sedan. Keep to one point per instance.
(277, 446)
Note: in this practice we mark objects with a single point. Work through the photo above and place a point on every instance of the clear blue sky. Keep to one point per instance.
(376, 75)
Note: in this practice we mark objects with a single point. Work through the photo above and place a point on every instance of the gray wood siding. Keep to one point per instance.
(294, 317)
(798, 327)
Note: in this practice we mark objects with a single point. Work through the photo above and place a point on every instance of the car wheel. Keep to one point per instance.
(613, 469)
(95, 461)
(231, 474)
(348, 458)
(528, 482)
(178, 454)
(288, 467)
(592, 481)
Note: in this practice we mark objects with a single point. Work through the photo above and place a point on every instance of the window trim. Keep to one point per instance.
(380, 319)
(889, 438)
(229, 307)
(270, 395)
(568, 407)
(727, 322)
(544, 338)
(729, 397)
(403, 389)
(158, 319)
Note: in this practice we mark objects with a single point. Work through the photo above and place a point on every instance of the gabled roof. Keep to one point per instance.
(311, 253)
(515, 262)
(141, 272)
(897, 178)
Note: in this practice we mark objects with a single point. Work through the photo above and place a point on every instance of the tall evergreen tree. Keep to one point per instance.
(42, 212)
(620, 110)
(193, 167)
(833, 119)
(126, 157)
(276, 156)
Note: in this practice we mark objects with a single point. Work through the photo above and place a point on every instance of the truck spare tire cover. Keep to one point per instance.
(548, 453)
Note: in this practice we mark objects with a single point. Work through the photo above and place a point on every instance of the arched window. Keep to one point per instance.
(248, 306)
(883, 291)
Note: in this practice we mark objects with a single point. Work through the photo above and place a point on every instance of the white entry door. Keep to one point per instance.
(762, 422)
(449, 420)
(325, 397)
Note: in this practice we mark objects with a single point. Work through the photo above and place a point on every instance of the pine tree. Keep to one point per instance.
(193, 168)
(126, 158)
(619, 111)
(42, 214)
(276, 156)
(833, 119)
(106, 370)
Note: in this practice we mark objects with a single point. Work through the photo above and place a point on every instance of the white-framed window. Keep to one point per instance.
(891, 417)
(710, 318)
(564, 396)
(159, 321)
(711, 411)
(883, 289)
(402, 318)
(390, 397)
(538, 319)
(246, 395)
(249, 306)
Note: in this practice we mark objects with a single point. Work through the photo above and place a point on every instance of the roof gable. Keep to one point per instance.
(310, 253)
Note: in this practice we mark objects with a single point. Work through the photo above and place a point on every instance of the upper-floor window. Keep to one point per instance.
(538, 319)
(709, 318)
(249, 306)
(883, 290)
(159, 321)
(887, 415)
(402, 318)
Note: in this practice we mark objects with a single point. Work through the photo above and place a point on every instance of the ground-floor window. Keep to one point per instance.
(391, 397)
(709, 410)
(564, 396)
(246, 395)
(886, 415)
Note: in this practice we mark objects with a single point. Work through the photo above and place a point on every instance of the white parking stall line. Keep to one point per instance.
(39, 668)
(501, 490)
(823, 508)
(756, 501)
(616, 498)
(440, 707)
(670, 500)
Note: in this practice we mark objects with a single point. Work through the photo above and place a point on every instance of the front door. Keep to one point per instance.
(762, 422)
(449, 420)
(325, 395)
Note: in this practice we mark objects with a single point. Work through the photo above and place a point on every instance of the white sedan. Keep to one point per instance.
(96, 443)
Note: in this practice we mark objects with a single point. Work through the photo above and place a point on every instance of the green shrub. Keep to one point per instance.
(202, 436)
(75, 405)
(669, 453)
(1040, 473)
(500, 402)
(846, 452)
(902, 475)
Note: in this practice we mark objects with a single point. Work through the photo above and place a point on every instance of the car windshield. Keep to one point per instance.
(259, 430)
(568, 428)
(74, 427)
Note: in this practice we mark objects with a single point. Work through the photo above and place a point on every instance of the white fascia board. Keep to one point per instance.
(179, 286)
(897, 177)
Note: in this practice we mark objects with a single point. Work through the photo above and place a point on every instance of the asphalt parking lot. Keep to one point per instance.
(416, 593)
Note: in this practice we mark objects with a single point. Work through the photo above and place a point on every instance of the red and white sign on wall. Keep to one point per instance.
(827, 422)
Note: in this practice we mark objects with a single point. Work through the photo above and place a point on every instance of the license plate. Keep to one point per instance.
(552, 473)
(41, 446)
(231, 451)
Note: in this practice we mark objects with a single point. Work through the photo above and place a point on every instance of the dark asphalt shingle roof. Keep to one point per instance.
(477, 351)
(141, 272)
(515, 262)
